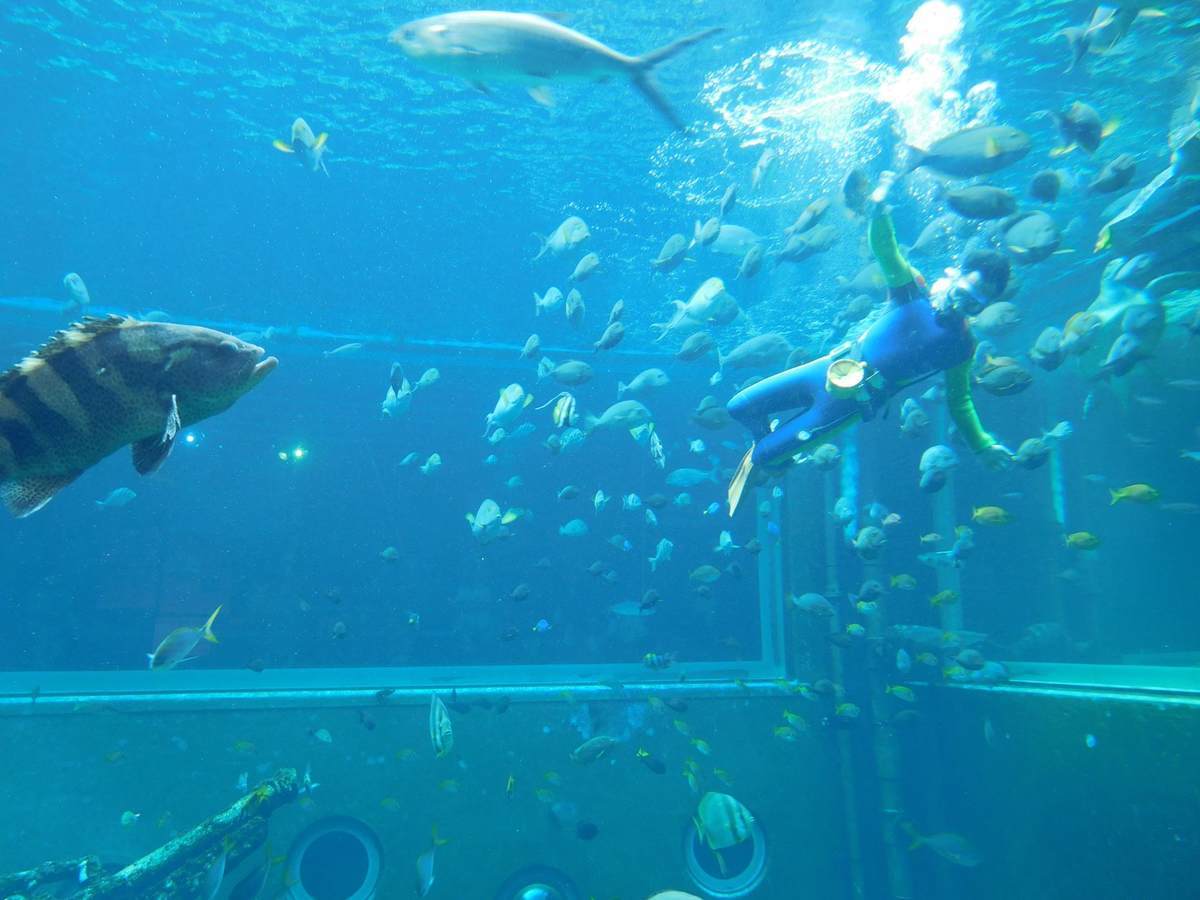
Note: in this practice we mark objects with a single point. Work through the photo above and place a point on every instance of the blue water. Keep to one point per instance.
(138, 153)
(140, 156)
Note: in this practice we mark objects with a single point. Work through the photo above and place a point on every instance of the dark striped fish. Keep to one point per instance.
(105, 383)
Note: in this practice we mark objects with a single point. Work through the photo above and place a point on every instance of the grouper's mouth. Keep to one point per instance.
(263, 367)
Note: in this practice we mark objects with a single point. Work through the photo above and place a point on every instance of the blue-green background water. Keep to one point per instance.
(139, 155)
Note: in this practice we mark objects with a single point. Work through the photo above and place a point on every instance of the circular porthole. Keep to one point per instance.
(338, 858)
(538, 883)
(739, 870)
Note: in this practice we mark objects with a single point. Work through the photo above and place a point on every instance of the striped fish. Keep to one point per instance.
(104, 383)
(722, 821)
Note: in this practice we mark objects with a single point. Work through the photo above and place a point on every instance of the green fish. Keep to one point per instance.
(105, 383)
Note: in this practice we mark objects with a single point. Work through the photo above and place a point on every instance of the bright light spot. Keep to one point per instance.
(190, 437)
(299, 453)
(283, 457)
(924, 93)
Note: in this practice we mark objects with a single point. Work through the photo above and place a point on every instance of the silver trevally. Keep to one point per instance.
(485, 47)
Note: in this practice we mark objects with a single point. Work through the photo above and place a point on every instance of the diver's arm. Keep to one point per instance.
(962, 408)
(881, 234)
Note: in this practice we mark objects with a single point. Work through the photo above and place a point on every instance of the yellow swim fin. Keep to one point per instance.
(1109, 127)
(1058, 152)
(738, 484)
(281, 146)
(991, 148)
(320, 141)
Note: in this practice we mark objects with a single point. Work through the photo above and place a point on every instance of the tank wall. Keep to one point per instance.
(175, 768)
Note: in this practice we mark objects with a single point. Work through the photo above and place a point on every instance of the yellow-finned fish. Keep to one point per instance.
(309, 148)
(105, 383)
(1133, 493)
(175, 647)
(991, 515)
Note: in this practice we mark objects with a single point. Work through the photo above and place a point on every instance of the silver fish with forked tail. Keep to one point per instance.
(484, 47)
(105, 383)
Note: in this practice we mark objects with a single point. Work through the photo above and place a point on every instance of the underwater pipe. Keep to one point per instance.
(885, 747)
(943, 523)
(833, 538)
(386, 345)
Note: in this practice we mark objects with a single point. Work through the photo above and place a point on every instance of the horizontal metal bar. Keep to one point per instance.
(377, 344)
(23, 691)
(1143, 684)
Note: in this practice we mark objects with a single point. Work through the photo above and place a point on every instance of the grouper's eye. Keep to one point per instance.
(228, 347)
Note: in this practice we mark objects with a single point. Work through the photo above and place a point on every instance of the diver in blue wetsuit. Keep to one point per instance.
(914, 339)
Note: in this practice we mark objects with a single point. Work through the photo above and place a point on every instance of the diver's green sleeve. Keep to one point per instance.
(962, 407)
(881, 234)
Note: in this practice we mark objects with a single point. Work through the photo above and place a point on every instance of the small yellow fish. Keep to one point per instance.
(944, 598)
(901, 692)
(702, 746)
(449, 785)
(990, 515)
(856, 630)
(545, 795)
(722, 776)
(787, 733)
(1133, 493)
(931, 538)
(926, 658)
(691, 765)
(847, 710)
(656, 704)
(782, 684)
(741, 684)
(510, 786)
(682, 727)
(1082, 540)
(903, 582)
(552, 777)
(243, 746)
(404, 754)
(793, 719)
(690, 778)
(114, 756)
(954, 671)
(391, 804)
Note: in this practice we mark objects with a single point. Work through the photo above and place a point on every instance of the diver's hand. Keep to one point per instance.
(877, 201)
(997, 457)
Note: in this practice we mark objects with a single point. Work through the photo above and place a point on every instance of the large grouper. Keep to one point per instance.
(486, 47)
(104, 383)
